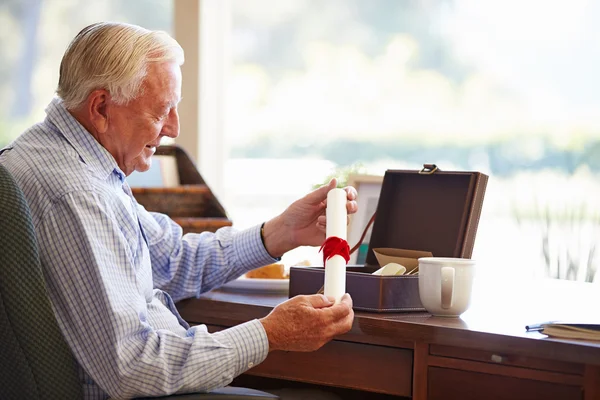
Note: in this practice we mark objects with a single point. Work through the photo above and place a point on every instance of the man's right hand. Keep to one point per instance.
(305, 323)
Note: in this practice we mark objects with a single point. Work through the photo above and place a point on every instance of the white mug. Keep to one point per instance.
(445, 285)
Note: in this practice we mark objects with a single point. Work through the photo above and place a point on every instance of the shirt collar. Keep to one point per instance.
(91, 152)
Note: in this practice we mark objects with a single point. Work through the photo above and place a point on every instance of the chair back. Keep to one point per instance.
(35, 361)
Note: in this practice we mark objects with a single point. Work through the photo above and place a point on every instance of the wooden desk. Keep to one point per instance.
(485, 354)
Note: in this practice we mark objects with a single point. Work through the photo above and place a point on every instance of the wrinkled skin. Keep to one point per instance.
(305, 323)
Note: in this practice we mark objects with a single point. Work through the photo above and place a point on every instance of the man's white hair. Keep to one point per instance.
(114, 57)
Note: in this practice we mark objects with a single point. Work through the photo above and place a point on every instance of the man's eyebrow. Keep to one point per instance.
(174, 104)
(170, 104)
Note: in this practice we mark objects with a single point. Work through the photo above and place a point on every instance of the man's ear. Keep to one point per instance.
(97, 109)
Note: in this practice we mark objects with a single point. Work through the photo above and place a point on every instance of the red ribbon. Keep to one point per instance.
(335, 246)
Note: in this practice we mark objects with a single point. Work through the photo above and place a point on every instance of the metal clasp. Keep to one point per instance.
(428, 169)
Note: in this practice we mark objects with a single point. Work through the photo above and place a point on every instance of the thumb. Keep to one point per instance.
(320, 301)
(320, 194)
(332, 184)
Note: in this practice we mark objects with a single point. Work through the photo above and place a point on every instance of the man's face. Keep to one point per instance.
(134, 130)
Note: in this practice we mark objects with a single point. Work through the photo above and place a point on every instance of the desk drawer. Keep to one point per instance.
(451, 384)
(503, 358)
(372, 368)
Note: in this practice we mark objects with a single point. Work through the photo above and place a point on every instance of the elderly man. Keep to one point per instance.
(114, 270)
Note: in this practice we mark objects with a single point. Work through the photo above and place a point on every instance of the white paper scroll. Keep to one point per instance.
(335, 267)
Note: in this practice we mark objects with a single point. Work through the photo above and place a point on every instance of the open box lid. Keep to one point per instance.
(428, 210)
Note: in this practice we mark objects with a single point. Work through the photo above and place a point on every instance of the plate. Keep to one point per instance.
(258, 285)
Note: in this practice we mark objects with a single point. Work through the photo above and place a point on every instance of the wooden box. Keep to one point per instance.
(428, 210)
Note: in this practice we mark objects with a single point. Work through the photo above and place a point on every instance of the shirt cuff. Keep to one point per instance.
(250, 249)
(250, 342)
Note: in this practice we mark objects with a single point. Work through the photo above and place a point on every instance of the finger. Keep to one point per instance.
(345, 324)
(339, 311)
(351, 191)
(322, 220)
(319, 301)
(347, 299)
(351, 207)
(320, 194)
(332, 183)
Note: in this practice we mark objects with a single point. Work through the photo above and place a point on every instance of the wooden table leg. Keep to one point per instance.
(591, 382)
(421, 355)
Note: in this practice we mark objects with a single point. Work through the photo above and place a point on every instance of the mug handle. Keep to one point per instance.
(447, 287)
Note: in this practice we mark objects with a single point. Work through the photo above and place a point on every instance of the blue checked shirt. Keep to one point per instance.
(113, 270)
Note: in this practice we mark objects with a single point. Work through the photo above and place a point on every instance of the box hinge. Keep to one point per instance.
(428, 169)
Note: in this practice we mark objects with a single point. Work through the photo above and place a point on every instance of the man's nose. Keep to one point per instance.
(171, 128)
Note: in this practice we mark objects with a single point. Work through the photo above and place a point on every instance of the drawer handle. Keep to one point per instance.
(497, 358)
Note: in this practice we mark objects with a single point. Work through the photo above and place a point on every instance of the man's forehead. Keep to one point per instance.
(162, 74)
(163, 85)
(170, 103)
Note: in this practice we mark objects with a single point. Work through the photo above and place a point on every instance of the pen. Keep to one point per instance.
(534, 327)
(537, 327)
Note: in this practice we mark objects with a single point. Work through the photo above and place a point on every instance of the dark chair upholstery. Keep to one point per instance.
(35, 361)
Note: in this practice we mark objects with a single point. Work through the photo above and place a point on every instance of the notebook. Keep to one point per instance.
(572, 330)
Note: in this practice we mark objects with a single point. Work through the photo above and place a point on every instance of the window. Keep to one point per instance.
(505, 88)
(33, 37)
(308, 86)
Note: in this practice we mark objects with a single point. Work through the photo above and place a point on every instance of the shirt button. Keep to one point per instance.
(250, 364)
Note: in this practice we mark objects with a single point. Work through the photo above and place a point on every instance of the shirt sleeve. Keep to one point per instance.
(102, 311)
(186, 266)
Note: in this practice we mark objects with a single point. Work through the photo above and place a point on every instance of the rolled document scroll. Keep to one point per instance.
(335, 267)
(391, 269)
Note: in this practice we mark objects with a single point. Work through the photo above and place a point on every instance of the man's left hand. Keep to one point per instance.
(303, 222)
